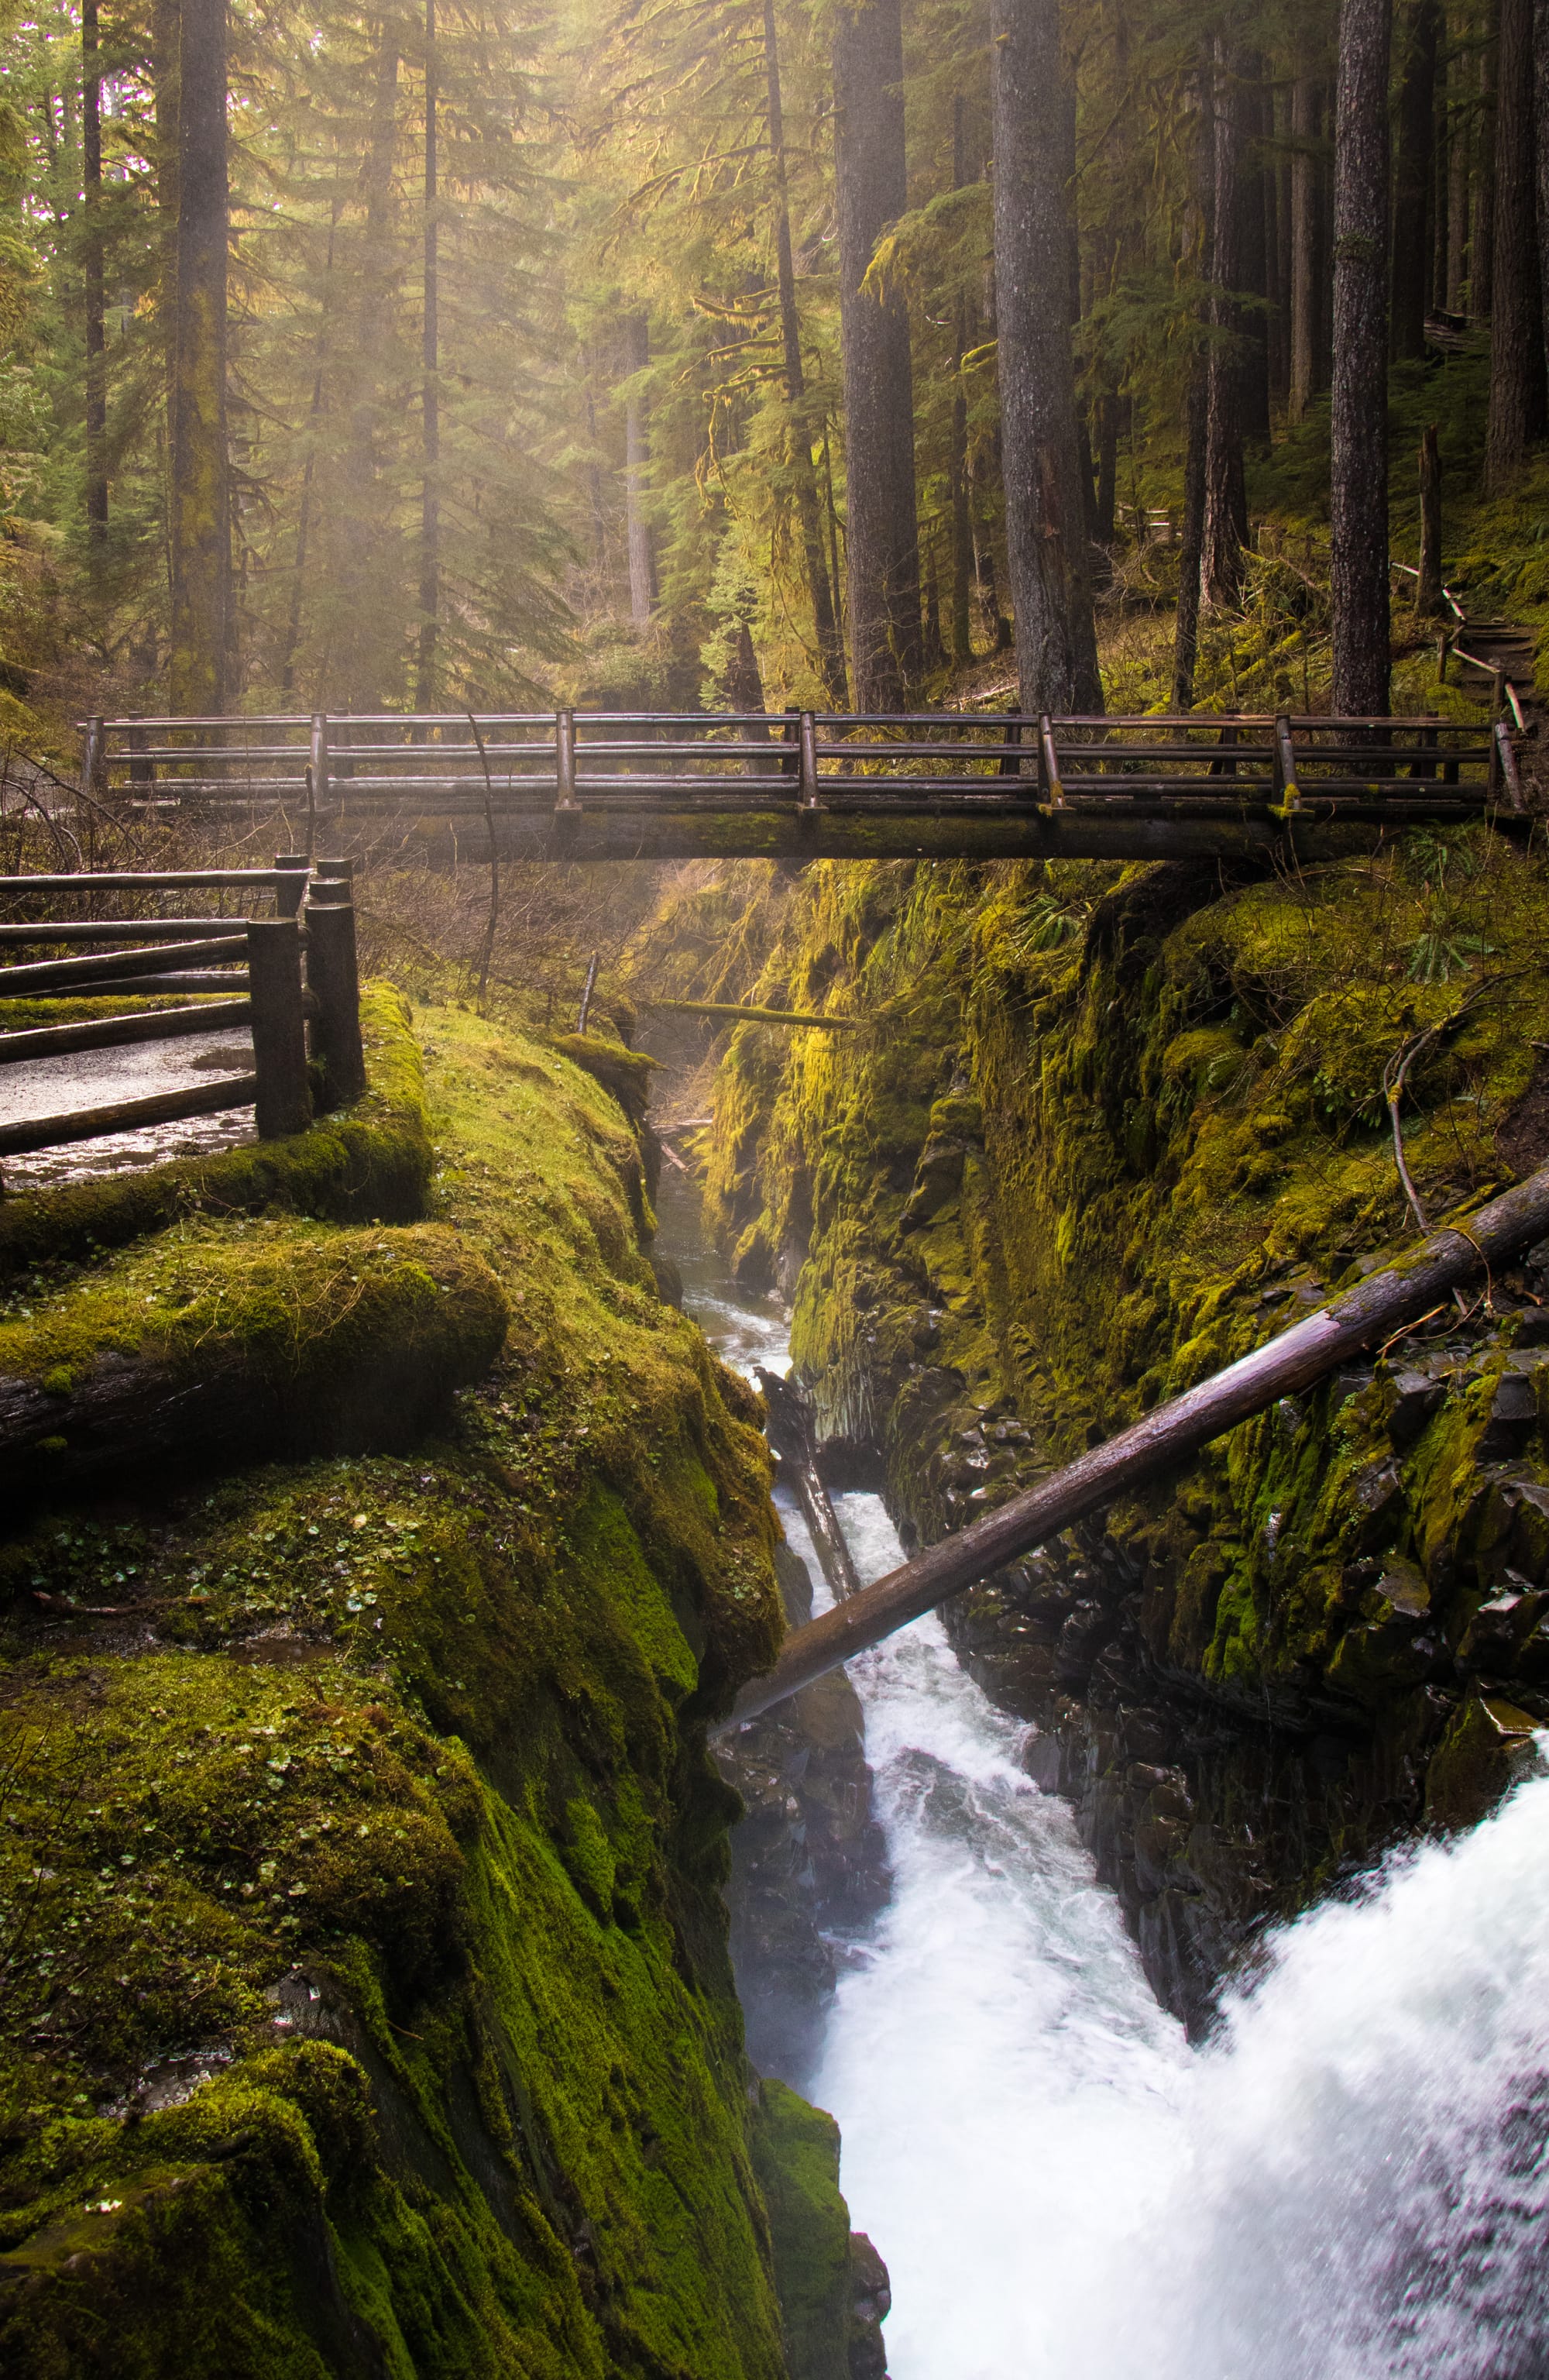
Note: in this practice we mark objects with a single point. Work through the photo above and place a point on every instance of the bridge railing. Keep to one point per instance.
(289, 979)
(320, 770)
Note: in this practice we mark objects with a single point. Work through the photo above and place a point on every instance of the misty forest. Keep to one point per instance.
(774, 1190)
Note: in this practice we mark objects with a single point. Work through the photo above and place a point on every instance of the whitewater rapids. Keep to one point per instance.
(1348, 2180)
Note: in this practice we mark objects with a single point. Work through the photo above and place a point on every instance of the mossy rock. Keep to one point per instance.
(208, 1345)
(796, 2152)
(1488, 1748)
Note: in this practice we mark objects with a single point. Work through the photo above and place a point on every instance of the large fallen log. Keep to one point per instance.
(743, 1015)
(1171, 1436)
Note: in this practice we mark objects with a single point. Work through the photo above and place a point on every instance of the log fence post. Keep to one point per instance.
(334, 977)
(283, 1101)
(292, 868)
(318, 785)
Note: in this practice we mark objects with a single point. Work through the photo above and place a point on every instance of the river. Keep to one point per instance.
(1348, 2179)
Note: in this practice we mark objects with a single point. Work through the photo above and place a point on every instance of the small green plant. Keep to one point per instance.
(1438, 955)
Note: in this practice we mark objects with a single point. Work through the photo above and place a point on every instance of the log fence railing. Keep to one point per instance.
(569, 783)
(290, 978)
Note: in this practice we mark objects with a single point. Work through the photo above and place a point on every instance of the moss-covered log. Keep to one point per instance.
(199, 1351)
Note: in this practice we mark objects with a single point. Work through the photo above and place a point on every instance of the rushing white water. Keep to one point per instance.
(1348, 2181)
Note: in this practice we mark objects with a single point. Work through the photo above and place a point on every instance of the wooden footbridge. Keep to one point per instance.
(575, 786)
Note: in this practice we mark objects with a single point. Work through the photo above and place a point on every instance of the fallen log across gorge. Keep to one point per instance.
(1171, 1435)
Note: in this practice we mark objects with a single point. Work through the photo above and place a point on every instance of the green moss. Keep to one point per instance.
(402, 1755)
(796, 2151)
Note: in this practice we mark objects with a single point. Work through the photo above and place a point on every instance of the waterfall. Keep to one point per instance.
(1348, 2179)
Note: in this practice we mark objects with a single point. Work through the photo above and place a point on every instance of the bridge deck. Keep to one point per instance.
(613, 785)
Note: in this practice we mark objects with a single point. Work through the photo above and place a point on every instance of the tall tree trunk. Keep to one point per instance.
(358, 540)
(636, 459)
(1541, 150)
(430, 361)
(1481, 254)
(1516, 379)
(1200, 242)
(1107, 466)
(308, 474)
(872, 188)
(96, 328)
(957, 453)
(1226, 498)
(1459, 177)
(1429, 601)
(1255, 233)
(199, 492)
(1359, 490)
(1441, 189)
(1418, 33)
(1045, 523)
(1277, 242)
(1304, 181)
(164, 54)
(809, 517)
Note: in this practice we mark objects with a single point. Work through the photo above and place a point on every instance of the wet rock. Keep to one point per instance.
(1414, 1397)
(871, 2301)
(808, 1856)
(1486, 1749)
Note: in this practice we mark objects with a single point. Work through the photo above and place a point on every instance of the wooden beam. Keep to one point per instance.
(120, 1032)
(109, 966)
(130, 1115)
(1166, 1439)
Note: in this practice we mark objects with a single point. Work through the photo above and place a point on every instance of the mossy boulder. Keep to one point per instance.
(214, 1344)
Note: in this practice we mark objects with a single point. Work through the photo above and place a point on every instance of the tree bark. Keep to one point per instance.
(637, 458)
(1276, 238)
(199, 494)
(1359, 484)
(1199, 240)
(872, 192)
(1304, 181)
(1482, 255)
(1226, 497)
(96, 329)
(1046, 525)
(1541, 150)
(957, 453)
(809, 517)
(1428, 598)
(1255, 237)
(309, 473)
(1441, 189)
(430, 502)
(1517, 374)
(1419, 35)
(1458, 193)
(358, 543)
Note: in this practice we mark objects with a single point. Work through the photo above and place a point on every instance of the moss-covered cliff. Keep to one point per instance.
(1105, 1130)
(364, 1997)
